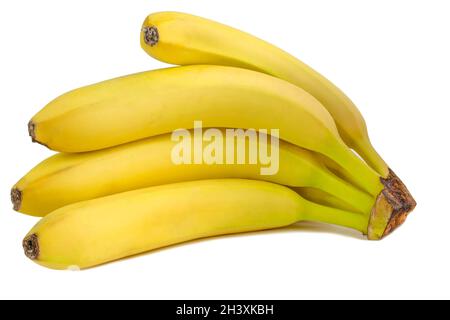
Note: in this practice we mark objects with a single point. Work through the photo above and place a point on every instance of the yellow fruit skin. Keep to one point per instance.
(64, 179)
(318, 196)
(186, 39)
(94, 232)
(156, 102)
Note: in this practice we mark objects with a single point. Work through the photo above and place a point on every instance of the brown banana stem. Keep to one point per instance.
(391, 208)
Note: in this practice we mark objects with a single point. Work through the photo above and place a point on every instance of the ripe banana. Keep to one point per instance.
(98, 231)
(156, 102)
(326, 199)
(184, 39)
(339, 171)
(68, 178)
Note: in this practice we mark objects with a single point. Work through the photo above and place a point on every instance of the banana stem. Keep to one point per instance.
(368, 178)
(391, 208)
(373, 159)
(318, 213)
(343, 190)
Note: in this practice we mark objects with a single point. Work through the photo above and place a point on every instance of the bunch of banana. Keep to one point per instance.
(115, 191)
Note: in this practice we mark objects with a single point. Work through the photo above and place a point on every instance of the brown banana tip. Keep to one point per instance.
(31, 246)
(32, 133)
(151, 35)
(16, 198)
(391, 209)
(31, 130)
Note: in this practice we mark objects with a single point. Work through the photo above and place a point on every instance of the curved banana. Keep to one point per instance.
(156, 102)
(94, 232)
(64, 179)
(183, 39)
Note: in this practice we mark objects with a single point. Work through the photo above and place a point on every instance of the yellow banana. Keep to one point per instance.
(98, 231)
(64, 179)
(339, 171)
(183, 39)
(326, 199)
(156, 102)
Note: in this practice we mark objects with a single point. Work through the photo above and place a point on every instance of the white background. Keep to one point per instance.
(390, 57)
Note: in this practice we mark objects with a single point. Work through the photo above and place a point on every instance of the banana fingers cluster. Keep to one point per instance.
(114, 189)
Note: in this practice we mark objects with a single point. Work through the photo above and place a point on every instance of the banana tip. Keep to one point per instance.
(32, 133)
(151, 35)
(32, 130)
(16, 198)
(31, 246)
